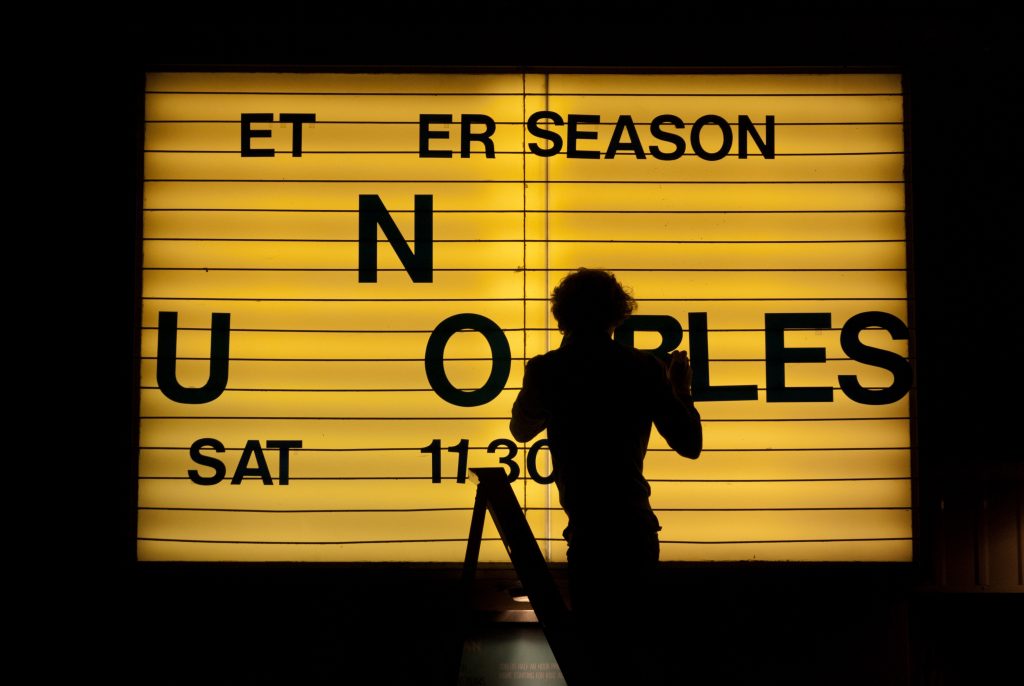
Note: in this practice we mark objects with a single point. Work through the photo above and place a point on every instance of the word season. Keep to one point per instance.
(580, 129)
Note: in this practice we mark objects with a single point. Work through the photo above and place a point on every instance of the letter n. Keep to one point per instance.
(167, 360)
(419, 265)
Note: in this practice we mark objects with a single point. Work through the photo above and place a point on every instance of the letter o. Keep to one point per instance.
(501, 359)
(698, 149)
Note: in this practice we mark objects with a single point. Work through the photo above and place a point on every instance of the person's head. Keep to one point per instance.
(590, 301)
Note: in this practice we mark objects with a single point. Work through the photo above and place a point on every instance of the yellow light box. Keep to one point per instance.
(344, 274)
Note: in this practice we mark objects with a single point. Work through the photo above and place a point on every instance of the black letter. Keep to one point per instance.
(509, 459)
(167, 360)
(434, 450)
(573, 135)
(297, 120)
(625, 125)
(419, 265)
(726, 137)
(426, 134)
(701, 365)
(283, 448)
(766, 146)
(531, 463)
(483, 137)
(252, 448)
(501, 359)
(248, 134)
(533, 127)
(896, 364)
(777, 355)
(206, 461)
(462, 450)
(667, 136)
(669, 328)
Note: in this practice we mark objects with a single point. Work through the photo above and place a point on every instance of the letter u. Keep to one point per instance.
(167, 360)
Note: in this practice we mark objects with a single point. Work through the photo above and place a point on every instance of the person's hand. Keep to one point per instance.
(680, 374)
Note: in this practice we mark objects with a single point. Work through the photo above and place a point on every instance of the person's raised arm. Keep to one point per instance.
(529, 417)
(675, 416)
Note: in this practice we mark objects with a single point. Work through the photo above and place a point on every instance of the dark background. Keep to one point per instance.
(952, 617)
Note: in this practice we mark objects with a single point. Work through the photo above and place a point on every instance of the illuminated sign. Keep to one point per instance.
(343, 275)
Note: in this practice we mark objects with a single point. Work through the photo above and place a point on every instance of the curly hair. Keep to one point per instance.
(590, 300)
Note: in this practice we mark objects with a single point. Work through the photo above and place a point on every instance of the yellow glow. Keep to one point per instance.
(317, 356)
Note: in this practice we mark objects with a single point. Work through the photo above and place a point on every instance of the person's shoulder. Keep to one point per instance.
(543, 358)
(537, 363)
(645, 364)
(639, 357)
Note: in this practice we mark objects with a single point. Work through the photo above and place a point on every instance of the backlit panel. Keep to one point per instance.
(778, 222)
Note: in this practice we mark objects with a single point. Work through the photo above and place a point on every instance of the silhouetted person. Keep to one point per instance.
(598, 399)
